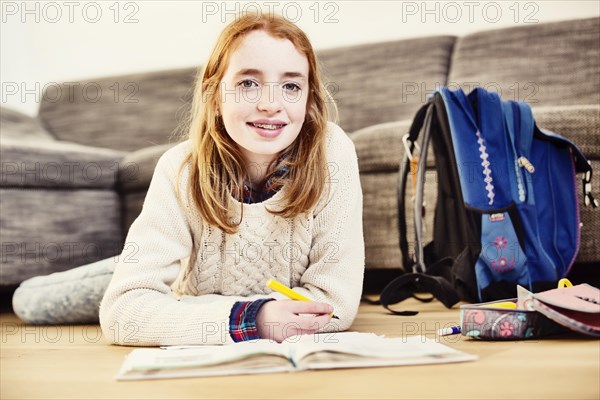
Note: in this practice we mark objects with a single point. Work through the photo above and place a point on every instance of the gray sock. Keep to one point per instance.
(69, 297)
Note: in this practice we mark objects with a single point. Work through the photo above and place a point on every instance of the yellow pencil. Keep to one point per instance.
(289, 293)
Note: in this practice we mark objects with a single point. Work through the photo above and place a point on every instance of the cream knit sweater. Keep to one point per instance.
(156, 298)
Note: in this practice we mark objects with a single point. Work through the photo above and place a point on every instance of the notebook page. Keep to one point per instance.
(371, 346)
(198, 356)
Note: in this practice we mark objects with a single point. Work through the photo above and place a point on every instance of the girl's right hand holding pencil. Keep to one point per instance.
(278, 320)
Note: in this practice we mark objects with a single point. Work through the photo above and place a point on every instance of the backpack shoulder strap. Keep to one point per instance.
(436, 281)
(409, 140)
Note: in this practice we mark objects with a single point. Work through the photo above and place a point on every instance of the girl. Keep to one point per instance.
(264, 188)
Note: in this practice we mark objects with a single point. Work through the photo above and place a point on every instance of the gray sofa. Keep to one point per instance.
(74, 178)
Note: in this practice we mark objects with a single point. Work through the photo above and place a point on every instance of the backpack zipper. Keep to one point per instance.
(524, 162)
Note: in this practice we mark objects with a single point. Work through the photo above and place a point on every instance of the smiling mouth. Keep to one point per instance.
(267, 126)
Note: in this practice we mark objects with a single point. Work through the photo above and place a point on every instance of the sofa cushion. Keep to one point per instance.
(381, 82)
(56, 164)
(137, 168)
(580, 124)
(16, 125)
(380, 147)
(127, 112)
(544, 64)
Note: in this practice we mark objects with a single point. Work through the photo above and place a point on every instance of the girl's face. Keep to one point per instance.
(264, 92)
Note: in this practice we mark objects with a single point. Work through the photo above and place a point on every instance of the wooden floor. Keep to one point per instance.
(63, 362)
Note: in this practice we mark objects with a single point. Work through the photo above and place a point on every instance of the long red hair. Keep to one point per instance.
(217, 167)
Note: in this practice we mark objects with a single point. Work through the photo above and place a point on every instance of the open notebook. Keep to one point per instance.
(321, 351)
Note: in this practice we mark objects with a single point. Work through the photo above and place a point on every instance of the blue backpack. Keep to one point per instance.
(507, 207)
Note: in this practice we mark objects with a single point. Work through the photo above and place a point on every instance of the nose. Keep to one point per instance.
(269, 100)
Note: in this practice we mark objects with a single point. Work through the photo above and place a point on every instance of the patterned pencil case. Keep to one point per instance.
(500, 320)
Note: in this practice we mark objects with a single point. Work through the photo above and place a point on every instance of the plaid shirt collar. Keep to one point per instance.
(271, 186)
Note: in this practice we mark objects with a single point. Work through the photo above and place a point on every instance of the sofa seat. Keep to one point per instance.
(59, 205)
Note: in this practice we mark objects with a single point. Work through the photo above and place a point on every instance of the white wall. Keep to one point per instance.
(43, 42)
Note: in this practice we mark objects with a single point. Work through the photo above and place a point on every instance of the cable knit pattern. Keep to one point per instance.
(153, 300)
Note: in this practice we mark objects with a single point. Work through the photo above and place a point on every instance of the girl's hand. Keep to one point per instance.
(278, 320)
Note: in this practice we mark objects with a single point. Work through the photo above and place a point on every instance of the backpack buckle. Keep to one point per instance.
(588, 197)
(410, 146)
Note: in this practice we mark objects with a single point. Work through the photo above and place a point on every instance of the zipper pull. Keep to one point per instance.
(524, 162)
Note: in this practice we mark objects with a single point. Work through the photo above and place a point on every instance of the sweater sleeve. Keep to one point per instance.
(139, 307)
(337, 258)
